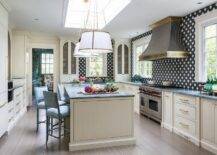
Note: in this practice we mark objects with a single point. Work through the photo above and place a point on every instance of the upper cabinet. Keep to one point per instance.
(119, 59)
(126, 59)
(123, 60)
(73, 60)
(65, 58)
(68, 63)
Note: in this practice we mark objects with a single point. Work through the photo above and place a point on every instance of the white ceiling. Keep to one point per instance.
(133, 20)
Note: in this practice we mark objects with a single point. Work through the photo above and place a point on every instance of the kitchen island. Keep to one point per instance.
(100, 120)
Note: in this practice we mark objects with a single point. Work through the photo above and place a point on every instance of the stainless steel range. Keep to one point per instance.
(151, 102)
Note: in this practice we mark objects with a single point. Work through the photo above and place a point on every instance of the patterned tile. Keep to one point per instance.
(180, 71)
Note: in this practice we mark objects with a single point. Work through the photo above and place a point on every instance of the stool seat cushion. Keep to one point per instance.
(41, 105)
(53, 112)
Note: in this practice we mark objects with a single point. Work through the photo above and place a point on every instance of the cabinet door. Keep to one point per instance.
(73, 60)
(126, 59)
(4, 114)
(167, 108)
(119, 59)
(65, 58)
(3, 59)
(215, 122)
(208, 120)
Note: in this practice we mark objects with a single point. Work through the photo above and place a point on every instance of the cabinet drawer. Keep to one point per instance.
(185, 111)
(185, 125)
(183, 99)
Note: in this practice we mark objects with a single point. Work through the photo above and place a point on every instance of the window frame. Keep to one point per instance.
(47, 63)
(138, 43)
(104, 67)
(201, 23)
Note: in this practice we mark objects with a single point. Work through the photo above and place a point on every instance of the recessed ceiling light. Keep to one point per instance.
(199, 2)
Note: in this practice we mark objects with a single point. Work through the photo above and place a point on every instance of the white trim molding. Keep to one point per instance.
(141, 42)
(200, 22)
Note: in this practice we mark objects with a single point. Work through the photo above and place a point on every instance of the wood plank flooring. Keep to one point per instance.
(151, 140)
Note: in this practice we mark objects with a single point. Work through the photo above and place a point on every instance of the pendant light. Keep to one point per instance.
(95, 41)
(79, 54)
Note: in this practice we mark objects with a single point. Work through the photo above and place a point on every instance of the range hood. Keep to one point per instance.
(165, 41)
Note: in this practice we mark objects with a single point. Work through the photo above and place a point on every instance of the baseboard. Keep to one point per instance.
(187, 136)
(101, 144)
(208, 146)
(167, 126)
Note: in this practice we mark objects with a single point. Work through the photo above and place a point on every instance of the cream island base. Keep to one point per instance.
(100, 120)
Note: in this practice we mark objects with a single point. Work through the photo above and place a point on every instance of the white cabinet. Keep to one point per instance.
(122, 60)
(4, 114)
(209, 124)
(133, 89)
(167, 110)
(20, 45)
(68, 63)
(17, 107)
(3, 69)
(3, 48)
(186, 117)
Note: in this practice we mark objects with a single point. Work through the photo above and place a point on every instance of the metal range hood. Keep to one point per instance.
(165, 41)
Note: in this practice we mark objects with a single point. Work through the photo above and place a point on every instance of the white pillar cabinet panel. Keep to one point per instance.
(207, 120)
(167, 117)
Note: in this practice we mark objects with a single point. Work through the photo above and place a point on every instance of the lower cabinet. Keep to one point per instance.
(133, 89)
(4, 114)
(181, 115)
(209, 124)
(16, 108)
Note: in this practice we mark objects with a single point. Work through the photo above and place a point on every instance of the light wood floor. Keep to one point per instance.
(151, 140)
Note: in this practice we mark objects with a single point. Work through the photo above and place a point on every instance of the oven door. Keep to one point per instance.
(154, 106)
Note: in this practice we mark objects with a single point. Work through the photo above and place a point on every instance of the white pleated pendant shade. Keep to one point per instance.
(95, 42)
(79, 54)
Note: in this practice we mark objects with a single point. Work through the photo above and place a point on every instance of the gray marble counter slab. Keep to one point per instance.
(131, 83)
(73, 92)
(188, 92)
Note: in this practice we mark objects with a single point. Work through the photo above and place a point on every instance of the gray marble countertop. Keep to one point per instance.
(74, 92)
(131, 83)
(179, 91)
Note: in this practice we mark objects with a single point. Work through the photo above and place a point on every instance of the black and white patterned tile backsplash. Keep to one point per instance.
(180, 71)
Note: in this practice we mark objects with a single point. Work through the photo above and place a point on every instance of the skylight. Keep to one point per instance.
(77, 15)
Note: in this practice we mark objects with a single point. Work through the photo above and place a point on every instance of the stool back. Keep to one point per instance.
(39, 93)
(51, 100)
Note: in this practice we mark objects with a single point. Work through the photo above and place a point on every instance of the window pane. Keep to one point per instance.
(143, 68)
(211, 57)
(210, 31)
(43, 68)
(96, 66)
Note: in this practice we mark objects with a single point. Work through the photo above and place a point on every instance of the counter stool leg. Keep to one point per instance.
(37, 119)
(60, 126)
(47, 129)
